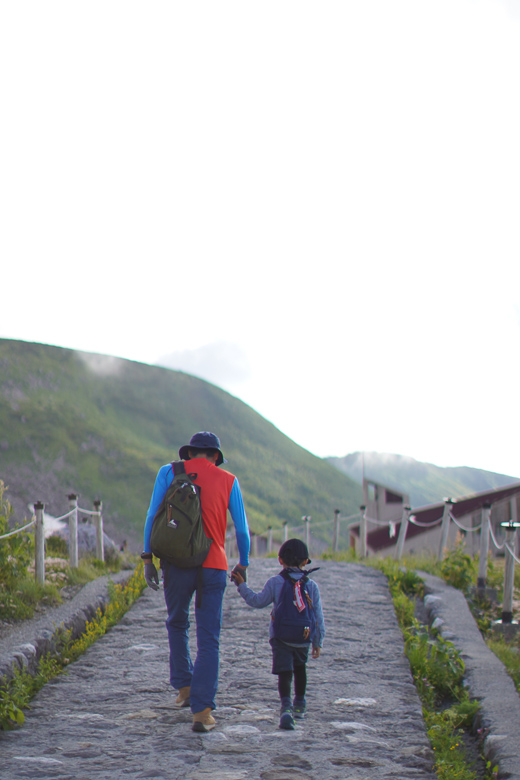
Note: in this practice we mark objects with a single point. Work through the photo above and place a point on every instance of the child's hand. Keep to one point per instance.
(238, 575)
(316, 652)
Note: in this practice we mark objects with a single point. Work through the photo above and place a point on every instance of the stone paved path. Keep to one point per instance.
(112, 714)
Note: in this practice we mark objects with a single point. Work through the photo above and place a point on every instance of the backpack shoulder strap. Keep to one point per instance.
(307, 572)
(306, 575)
(286, 574)
(178, 467)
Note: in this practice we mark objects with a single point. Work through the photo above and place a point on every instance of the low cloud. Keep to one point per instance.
(103, 365)
(222, 363)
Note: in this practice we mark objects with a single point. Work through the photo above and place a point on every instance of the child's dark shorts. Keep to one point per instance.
(286, 657)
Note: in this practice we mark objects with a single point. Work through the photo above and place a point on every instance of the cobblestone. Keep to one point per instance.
(112, 714)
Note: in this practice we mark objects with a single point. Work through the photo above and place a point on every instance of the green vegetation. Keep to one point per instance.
(509, 654)
(460, 570)
(19, 592)
(16, 551)
(101, 427)
(15, 694)
(438, 672)
(21, 596)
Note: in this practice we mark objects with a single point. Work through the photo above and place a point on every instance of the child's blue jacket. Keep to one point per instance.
(271, 593)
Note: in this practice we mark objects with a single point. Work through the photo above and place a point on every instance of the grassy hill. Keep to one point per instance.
(424, 482)
(101, 427)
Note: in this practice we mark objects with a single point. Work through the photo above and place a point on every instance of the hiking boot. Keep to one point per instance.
(286, 718)
(203, 721)
(299, 708)
(183, 699)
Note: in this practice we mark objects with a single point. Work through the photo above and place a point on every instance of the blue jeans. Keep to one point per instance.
(202, 676)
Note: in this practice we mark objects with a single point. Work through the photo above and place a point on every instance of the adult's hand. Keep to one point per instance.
(239, 574)
(151, 576)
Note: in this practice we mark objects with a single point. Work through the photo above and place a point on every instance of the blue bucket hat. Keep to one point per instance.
(204, 440)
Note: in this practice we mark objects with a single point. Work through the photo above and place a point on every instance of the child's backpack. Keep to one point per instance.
(178, 534)
(293, 617)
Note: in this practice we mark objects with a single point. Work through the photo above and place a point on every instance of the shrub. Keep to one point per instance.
(16, 552)
(56, 545)
(458, 568)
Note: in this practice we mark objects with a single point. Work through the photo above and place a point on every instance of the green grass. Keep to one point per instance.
(509, 654)
(22, 600)
(438, 672)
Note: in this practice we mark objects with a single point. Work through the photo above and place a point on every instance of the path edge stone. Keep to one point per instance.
(31, 639)
(485, 675)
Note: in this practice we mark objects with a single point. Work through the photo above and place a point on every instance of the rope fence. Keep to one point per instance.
(359, 520)
(64, 517)
(463, 528)
(511, 552)
(286, 531)
(424, 525)
(362, 520)
(39, 534)
(19, 530)
(493, 539)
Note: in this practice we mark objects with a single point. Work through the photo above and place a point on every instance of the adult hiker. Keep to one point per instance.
(219, 492)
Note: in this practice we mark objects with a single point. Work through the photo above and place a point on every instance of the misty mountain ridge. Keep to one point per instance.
(424, 483)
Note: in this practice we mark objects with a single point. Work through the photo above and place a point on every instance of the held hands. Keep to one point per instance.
(151, 576)
(238, 575)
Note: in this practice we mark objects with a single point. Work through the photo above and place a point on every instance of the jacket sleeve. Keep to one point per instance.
(262, 599)
(163, 481)
(318, 612)
(238, 515)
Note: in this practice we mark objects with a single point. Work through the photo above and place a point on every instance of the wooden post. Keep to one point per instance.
(73, 531)
(514, 519)
(509, 576)
(335, 532)
(285, 531)
(363, 532)
(39, 544)
(484, 547)
(445, 528)
(307, 522)
(402, 532)
(270, 539)
(98, 520)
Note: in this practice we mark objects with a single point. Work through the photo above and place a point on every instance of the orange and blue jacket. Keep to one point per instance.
(219, 491)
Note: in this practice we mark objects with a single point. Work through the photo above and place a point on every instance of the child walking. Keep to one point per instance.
(297, 603)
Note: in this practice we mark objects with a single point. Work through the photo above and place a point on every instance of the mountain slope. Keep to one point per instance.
(424, 482)
(101, 427)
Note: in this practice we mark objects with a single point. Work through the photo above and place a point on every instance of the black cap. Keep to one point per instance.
(293, 552)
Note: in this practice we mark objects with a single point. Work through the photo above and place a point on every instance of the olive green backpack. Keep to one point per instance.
(178, 534)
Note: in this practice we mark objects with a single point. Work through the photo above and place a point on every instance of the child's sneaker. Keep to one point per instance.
(286, 718)
(299, 708)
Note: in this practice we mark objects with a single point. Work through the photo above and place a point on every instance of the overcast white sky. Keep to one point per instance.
(313, 205)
